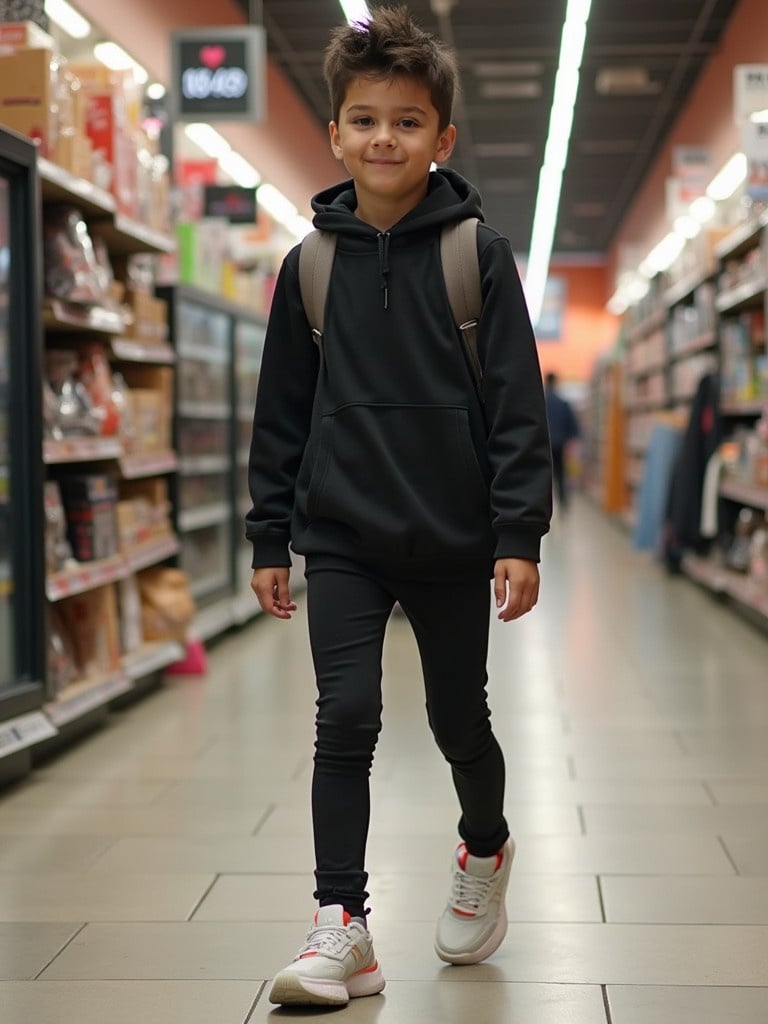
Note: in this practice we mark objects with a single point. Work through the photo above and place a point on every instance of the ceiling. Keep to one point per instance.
(640, 62)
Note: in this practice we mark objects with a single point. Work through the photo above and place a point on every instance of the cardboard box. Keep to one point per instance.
(92, 623)
(26, 97)
(89, 501)
(23, 35)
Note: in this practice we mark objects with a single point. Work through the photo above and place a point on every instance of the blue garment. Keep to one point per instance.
(663, 448)
(563, 426)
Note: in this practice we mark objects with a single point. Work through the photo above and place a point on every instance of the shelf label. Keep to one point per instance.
(69, 708)
(24, 731)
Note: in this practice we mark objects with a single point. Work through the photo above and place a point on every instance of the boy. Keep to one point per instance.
(401, 480)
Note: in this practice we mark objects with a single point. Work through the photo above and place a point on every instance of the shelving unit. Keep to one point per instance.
(708, 313)
(72, 325)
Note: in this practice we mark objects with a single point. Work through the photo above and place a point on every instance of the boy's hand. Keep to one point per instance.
(516, 587)
(273, 591)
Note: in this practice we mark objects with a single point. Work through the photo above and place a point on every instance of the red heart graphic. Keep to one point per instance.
(213, 56)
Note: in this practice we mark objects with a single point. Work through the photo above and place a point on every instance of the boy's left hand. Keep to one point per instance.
(515, 586)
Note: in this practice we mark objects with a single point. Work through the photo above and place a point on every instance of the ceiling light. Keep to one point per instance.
(702, 209)
(759, 117)
(687, 226)
(355, 11)
(663, 255)
(728, 179)
(510, 90)
(67, 18)
(555, 154)
(115, 58)
(277, 205)
(238, 168)
(156, 91)
(207, 139)
(625, 82)
(511, 68)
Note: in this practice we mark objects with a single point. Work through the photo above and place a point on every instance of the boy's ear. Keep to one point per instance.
(333, 132)
(445, 143)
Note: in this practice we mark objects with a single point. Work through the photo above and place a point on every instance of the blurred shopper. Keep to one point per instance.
(563, 428)
(400, 479)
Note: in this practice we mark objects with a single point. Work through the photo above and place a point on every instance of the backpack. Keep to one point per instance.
(461, 271)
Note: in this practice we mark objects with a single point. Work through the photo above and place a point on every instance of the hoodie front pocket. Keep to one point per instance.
(403, 478)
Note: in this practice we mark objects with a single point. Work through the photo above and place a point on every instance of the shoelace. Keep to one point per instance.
(470, 894)
(327, 939)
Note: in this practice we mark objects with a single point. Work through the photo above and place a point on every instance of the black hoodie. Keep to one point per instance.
(380, 450)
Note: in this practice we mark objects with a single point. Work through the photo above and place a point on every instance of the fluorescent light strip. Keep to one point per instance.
(355, 11)
(67, 18)
(115, 58)
(555, 154)
(207, 139)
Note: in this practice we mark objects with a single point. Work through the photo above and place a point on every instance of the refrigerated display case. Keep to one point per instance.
(218, 350)
(22, 633)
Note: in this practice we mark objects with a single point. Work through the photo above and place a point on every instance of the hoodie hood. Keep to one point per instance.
(449, 198)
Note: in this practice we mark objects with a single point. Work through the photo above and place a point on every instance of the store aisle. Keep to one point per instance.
(160, 871)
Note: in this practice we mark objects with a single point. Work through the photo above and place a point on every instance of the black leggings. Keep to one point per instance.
(348, 613)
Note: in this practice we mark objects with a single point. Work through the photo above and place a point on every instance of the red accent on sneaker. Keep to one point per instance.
(462, 855)
(369, 970)
(463, 913)
(312, 952)
(346, 919)
(499, 859)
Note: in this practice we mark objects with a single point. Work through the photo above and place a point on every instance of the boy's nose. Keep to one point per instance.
(383, 137)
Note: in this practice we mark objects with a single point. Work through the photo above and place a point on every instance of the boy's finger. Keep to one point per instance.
(500, 588)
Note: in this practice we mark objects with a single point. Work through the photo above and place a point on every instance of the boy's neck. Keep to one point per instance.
(382, 214)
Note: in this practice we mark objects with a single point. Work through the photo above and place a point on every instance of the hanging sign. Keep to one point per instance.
(750, 90)
(233, 202)
(219, 74)
(754, 139)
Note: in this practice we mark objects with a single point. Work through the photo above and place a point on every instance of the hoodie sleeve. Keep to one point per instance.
(515, 412)
(281, 420)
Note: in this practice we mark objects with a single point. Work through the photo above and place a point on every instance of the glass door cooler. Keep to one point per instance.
(22, 564)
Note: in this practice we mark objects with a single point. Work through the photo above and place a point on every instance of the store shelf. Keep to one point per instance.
(87, 576)
(207, 515)
(647, 326)
(687, 285)
(80, 698)
(201, 353)
(25, 731)
(70, 318)
(743, 296)
(201, 465)
(81, 449)
(751, 408)
(209, 584)
(130, 351)
(124, 237)
(60, 186)
(741, 239)
(151, 658)
(746, 591)
(746, 494)
(700, 344)
(151, 552)
(203, 410)
(144, 464)
(6, 580)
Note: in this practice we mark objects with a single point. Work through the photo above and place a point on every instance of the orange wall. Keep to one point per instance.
(289, 149)
(707, 119)
(588, 328)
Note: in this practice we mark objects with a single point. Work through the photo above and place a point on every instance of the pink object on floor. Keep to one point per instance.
(195, 663)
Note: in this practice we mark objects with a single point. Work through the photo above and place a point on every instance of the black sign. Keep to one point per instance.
(219, 74)
(234, 202)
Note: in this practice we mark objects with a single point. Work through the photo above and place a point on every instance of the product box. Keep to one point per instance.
(90, 502)
(26, 97)
(92, 623)
(23, 35)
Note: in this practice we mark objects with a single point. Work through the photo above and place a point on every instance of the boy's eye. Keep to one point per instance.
(364, 121)
(408, 122)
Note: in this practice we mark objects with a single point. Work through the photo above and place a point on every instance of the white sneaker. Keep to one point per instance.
(335, 964)
(474, 922)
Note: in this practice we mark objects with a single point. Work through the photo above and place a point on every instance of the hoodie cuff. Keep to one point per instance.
(519, 542)
(270, 551)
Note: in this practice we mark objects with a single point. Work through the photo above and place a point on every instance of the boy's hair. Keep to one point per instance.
(388, 46)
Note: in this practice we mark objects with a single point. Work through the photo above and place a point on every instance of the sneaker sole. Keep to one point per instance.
(291, 989)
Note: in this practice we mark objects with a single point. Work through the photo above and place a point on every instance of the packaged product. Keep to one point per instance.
(131, 637)
(90, 501)
(58, 550)
(167, 604)
(71, 269)
(27, 88)
(62, 658)
(92, 622)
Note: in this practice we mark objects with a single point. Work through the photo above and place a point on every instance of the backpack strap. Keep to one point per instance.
(461, 270)
(315, 264)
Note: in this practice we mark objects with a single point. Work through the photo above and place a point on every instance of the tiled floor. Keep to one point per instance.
(161, 871)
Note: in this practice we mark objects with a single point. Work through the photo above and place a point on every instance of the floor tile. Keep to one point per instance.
(691, 820)
(685, 900)
(193, 1002)
(196, 855)
(739, 791)
(50, 853)
(399, 897)
(78, 820)
(50, 794)
(25, 949)
(437, 1003)
(750, 856)
(665, 1005)
(101, 897)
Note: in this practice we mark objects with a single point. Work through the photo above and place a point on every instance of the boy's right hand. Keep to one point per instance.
(272, 588)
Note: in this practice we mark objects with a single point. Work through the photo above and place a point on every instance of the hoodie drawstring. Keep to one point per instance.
(383, 239)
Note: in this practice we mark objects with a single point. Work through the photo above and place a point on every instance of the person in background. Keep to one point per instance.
(563, 428)
(378, 457)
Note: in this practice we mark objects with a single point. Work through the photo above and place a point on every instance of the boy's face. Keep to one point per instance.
(387, 136)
